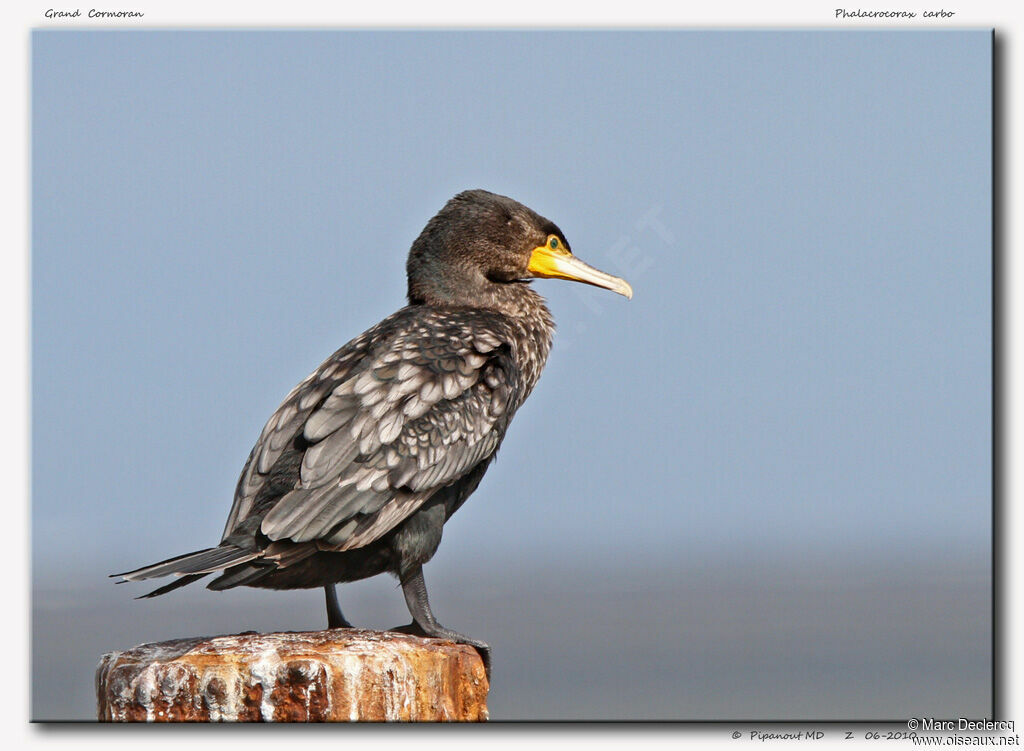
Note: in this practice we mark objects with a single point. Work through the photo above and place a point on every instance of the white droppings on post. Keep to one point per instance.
(122, 695)
(351, 670)
(214, 678)
(395, 701)
(145, 687)
(313, 687)
(225, 708)
(264, 671)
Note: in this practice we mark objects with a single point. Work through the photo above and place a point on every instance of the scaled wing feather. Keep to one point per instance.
(408, 408)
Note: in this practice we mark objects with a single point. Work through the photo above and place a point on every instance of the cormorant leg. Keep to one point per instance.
(424, 624)
(334, 617)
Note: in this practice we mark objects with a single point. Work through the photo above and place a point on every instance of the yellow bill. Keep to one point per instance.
(557, 263)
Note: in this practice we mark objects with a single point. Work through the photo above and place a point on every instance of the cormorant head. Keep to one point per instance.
(480, 239)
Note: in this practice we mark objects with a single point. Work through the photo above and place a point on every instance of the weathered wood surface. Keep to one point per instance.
(315, 676)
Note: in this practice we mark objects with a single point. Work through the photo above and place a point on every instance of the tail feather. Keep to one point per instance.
(238, 576)
(200, 562)
(172, 586)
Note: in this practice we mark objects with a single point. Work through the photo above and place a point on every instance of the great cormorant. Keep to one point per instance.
(357, 471)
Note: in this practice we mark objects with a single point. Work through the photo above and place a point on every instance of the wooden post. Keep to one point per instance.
(314, 676)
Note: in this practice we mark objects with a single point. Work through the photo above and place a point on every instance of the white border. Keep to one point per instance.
(15, 29)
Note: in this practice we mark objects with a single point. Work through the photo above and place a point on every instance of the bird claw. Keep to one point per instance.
(440, 632)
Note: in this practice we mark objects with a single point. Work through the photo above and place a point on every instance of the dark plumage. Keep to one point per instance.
(359, 468)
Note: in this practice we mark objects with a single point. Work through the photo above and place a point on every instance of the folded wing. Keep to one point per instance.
(404, 410)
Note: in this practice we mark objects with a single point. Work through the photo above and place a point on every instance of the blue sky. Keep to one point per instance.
(805, 367)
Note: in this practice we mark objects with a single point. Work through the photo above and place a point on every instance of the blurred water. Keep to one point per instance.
(804, 638)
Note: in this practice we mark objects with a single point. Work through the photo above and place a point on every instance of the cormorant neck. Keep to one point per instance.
(473, 290)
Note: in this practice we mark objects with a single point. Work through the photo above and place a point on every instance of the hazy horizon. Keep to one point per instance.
(803, 375)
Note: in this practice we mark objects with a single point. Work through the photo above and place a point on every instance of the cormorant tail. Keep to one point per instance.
(238, 576)
(188, 579)
(200, 562)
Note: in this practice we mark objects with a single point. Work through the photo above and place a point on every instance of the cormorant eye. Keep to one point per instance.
(553, 242)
